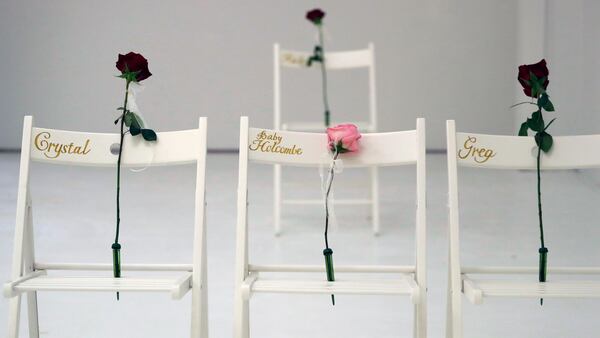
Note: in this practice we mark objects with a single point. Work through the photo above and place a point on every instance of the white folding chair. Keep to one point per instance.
(307, 149)
(355, 59)
(508, 152)
(92, 149)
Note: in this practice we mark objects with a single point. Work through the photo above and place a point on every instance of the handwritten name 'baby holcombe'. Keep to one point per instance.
(271, 143)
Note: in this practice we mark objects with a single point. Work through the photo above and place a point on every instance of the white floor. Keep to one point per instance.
(74, 220)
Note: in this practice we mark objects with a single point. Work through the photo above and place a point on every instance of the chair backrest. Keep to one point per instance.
(362, 58)
(519, 152)
(310, 149)
(93, 149)
(507, 152)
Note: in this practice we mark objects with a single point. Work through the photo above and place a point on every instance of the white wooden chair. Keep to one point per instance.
(355, 59)
(509, 152)
(92, 149)
(307, 149)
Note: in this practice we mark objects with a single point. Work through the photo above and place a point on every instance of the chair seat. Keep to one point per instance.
(405, 285)
(318, 126)
(177, 286)
(476, 289)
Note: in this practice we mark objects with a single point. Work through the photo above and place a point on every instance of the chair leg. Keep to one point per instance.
(32, 315)
(453, 314)
(375, 199)
(242, 318)
(420, 319)
(449, 328)
(277, 199)
(14, 316)
(199, 314)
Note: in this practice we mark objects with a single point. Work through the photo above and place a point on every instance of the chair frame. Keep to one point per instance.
(373, 153)
(516, 153)
(363, 58)
(26, 269)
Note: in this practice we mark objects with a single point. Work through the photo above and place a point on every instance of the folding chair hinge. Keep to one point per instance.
(247, 285)
(9, 287)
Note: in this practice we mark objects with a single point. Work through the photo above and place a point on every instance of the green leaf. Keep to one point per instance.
(544, 102)
(127, 119)
(129, 76)
(523, 129)
(544, 141)
(149, 135)
(133, 119)
(532, 77)
(549, 123)
(536, 122)
(134, 130)
(537, 85)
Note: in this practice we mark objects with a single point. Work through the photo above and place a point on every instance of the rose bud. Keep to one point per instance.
(315, 16)
(134, 63)
(539, 70)
(343, 138)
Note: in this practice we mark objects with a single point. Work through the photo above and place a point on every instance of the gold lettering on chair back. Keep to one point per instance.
(470, 150)
(50, 149)
(293, 59)
(271, 143)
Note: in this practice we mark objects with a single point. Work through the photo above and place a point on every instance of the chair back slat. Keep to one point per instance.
(333, 60)
(94, 149)
(310, 149)
(520, 152)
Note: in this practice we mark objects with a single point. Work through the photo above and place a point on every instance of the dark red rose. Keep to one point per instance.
(315, 16)
(134, 62)
(539, 70)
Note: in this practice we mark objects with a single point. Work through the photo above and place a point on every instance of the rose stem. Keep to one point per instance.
(331, 174)
(324, 76)
(117, 268)
(543, 250)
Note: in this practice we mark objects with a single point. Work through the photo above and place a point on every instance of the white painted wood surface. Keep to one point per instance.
(391, 149)
(92, 149)
(509, 153)
(310, 149)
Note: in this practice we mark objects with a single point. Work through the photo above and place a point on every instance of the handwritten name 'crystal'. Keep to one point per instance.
(53, 150)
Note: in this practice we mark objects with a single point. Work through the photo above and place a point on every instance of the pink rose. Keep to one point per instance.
(343, 138)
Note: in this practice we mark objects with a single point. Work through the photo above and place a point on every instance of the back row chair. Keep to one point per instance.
(336, 61)
(376, 149)
(30, 276)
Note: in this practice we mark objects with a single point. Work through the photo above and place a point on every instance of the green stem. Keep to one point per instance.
(324, 77)
(331, 173)
(543, 251)
(328, 252)
(539, 192)
(116, 246)
(119, 163)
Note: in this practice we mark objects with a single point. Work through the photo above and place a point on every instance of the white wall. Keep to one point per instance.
(573, 33)
(439, 58)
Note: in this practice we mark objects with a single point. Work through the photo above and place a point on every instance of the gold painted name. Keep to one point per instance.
(53, 150)
(479, 155)
(292, 59)
(271, 143)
